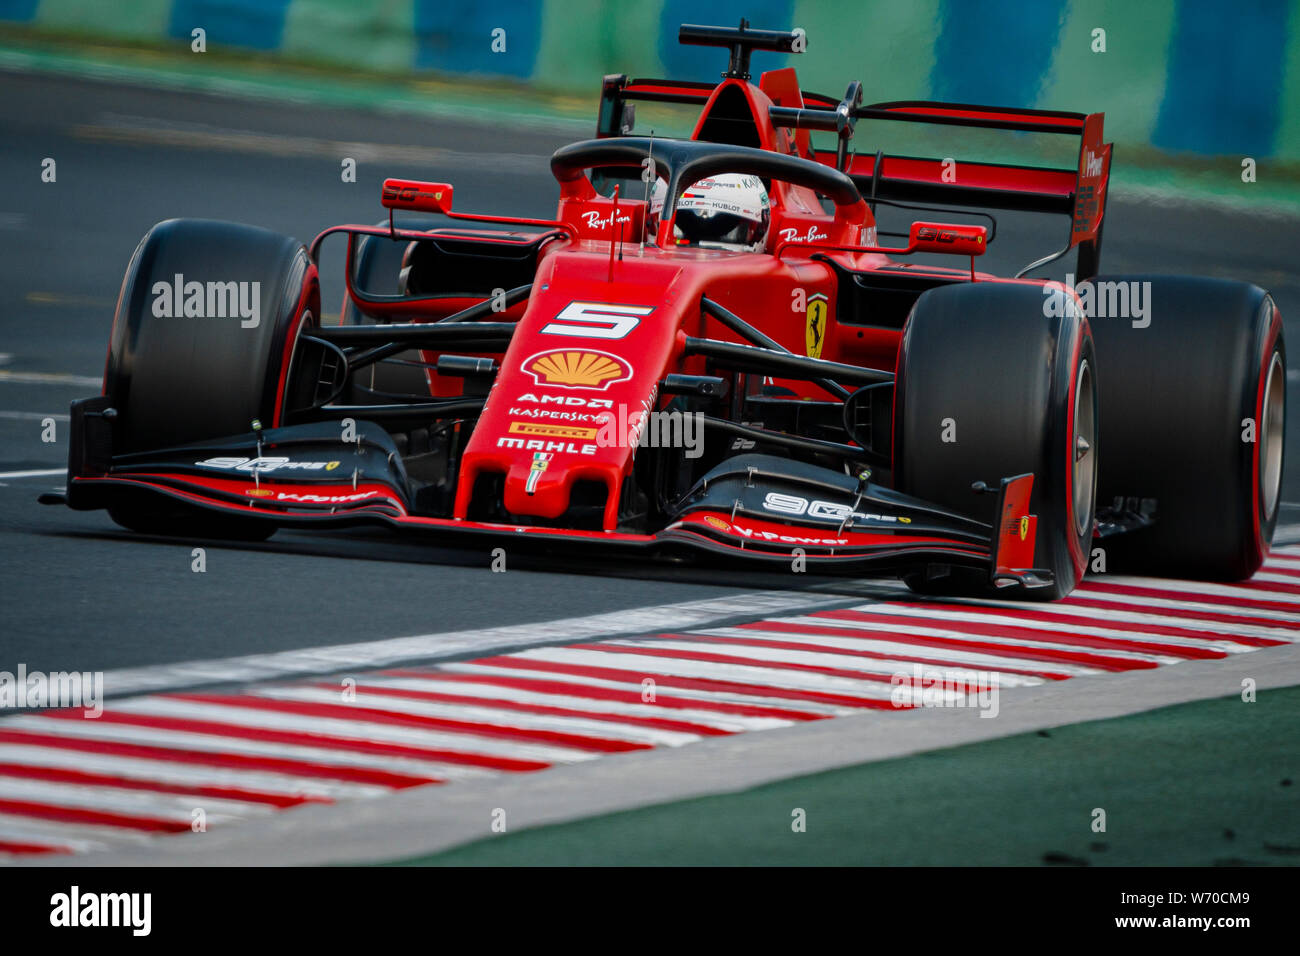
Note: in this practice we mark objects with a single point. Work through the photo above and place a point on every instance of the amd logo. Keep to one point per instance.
(569, 401)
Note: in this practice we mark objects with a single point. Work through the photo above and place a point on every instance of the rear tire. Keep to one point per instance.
(1020, 388)
(1180, 392)
(175, 379)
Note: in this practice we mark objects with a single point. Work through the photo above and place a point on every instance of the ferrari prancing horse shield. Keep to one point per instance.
(815, 330)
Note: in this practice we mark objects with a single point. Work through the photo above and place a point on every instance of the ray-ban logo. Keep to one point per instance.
(208, 300)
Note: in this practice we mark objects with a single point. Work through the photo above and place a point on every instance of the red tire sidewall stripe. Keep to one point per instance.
(1078, 556)
(1261, 546)
(310, 282)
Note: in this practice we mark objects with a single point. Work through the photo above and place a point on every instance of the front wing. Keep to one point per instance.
(304, 477)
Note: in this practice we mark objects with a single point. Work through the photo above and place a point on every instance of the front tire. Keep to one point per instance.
(176, 379)
(995, 380)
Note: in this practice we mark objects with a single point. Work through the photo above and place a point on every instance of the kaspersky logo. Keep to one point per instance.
(541, 460)
(572, 368)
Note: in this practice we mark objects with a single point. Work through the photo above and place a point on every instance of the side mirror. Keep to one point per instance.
(415, 196)
(947, 238)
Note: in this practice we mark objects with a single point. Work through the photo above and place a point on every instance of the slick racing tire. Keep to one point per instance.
(996, 380)
(178, 378)
(1195, 413)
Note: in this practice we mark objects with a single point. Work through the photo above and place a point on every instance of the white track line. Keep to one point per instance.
(34, 416)
(34, 473)
(50, 378)
(369, 656)
(120, 128)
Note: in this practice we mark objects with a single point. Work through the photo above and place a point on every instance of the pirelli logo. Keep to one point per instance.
(551, 431)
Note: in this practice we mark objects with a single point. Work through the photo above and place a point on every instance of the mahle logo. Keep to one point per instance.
(208, 300)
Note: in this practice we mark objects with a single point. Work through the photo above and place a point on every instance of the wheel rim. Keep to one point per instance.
(1083, 448)
(1271, 436)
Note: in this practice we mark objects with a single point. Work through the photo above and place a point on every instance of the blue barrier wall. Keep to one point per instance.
(1183, 76)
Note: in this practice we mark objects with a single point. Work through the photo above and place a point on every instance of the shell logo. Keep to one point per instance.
(577, 368)
(717, 523)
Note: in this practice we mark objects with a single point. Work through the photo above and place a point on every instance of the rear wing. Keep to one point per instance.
(1078, 192)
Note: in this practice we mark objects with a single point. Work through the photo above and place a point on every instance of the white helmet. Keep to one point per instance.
(727, 211)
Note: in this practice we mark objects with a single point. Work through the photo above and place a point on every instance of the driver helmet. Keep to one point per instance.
(727, 211)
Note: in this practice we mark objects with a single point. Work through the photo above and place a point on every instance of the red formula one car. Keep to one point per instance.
(708, 352)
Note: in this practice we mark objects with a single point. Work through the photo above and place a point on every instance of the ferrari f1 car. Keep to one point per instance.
(709, 352)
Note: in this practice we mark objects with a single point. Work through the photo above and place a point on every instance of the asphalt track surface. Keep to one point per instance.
(77, 593)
